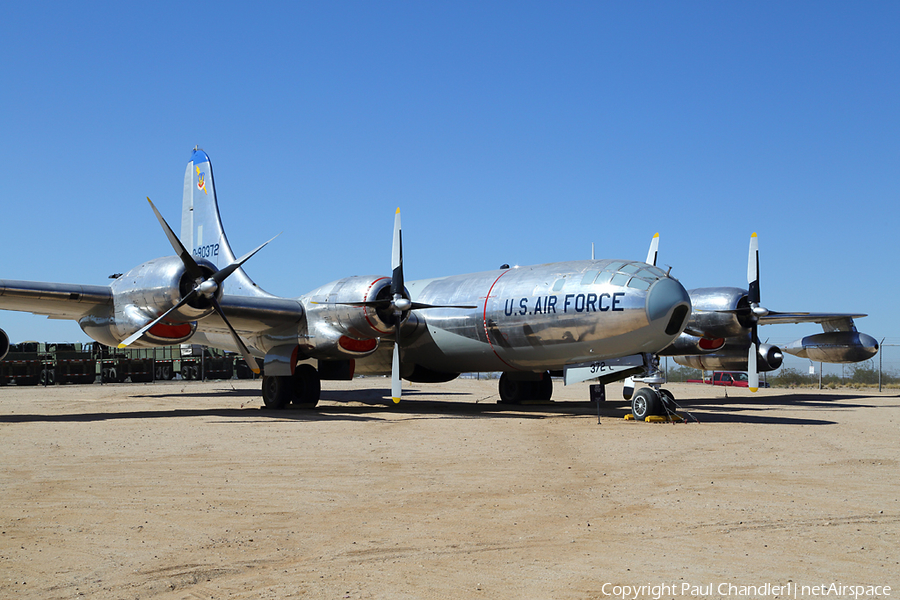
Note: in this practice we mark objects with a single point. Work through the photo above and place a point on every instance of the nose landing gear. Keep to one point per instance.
(654, 401)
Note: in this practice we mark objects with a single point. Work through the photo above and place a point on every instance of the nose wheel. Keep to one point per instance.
(655, 402)
(645, 403)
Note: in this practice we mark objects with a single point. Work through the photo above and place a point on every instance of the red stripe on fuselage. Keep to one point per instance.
(484, 321)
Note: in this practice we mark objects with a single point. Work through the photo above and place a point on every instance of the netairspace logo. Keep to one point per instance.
(733, 590)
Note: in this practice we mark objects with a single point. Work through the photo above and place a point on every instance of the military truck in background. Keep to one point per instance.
(22, 364)
(39, 363)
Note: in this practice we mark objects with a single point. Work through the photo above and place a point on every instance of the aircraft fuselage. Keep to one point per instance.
(542, 317)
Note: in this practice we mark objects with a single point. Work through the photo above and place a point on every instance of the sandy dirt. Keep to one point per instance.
(191, 490)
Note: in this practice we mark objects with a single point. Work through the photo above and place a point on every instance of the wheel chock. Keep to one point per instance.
(657, 419)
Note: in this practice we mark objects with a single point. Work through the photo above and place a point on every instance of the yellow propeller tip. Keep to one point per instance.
(754, 234)
(255, 371)
(754, 389)
(122, 346)
(656, 235)
(396, 400)
(398, 210)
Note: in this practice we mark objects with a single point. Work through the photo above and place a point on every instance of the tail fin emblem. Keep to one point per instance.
(201, 182)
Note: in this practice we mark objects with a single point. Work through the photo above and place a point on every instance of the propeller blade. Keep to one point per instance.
(245, 353)
(396, 385)
(654, 250)
(420, 306)
(389, 303)
(137, 334)
(397, 258)
(753, 271)
(752, 373)
(189, 263)
(222, 274)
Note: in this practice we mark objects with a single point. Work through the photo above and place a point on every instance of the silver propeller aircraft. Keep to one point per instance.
(722, 333)
(605, 319)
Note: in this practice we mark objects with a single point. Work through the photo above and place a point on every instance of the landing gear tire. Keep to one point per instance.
(514, 391)
(511, 391)
(307, 387)
(667, 399)
(545, 388)
(645, 403)
(277, 392)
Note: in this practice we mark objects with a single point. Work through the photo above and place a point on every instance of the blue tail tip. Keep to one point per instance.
(199, 156)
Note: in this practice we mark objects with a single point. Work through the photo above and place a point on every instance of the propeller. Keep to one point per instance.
(756, 311)
(397, 305)
(400, 304)
(203, 286)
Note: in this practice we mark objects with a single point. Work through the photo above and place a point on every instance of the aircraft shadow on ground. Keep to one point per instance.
(765, 409)
(371, 404)
(367, 405)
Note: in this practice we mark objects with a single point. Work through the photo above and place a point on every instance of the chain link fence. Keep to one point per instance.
(883, 370)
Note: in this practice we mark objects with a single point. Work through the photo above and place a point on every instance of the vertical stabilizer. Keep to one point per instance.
(202, 232)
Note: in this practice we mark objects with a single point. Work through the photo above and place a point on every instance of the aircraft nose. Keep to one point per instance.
(668, 300)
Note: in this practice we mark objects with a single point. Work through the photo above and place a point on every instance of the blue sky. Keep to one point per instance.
(507, 133)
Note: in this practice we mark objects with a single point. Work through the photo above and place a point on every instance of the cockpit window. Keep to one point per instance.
(651, 273)
(638, 284)
(589, 277)
(635, 275)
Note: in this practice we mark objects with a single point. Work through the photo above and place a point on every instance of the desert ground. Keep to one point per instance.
(192, 490)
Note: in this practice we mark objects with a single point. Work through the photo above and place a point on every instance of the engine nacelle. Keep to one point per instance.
(144, 293)
(324, 342)
(708, 314)
(336, 306)
(692, 344)
(835, 347)
(4, 344)
(734, 358)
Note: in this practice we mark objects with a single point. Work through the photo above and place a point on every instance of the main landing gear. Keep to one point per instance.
(517, 391)
(301, 389)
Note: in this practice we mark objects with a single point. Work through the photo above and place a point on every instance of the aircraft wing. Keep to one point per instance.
(73, 301)
(256, 314)
(55, 300)
(829, 321)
